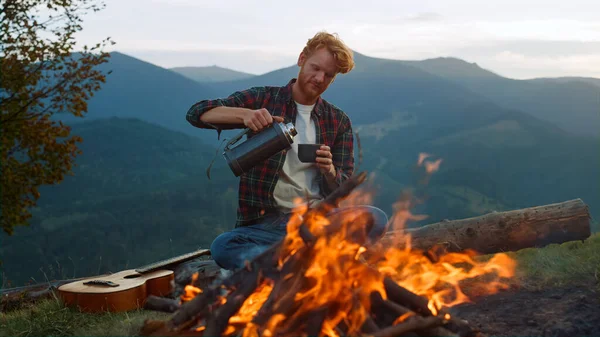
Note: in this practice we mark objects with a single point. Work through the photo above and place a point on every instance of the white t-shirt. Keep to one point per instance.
(298, 179)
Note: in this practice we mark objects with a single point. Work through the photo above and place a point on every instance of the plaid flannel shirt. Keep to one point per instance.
(333, 128)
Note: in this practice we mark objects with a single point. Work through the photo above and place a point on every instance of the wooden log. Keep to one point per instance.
(418, 304)
(410, 325)
(163, 304)
(217, 323)
(314, 324)
(369, 325)
(191, 310)
(399, 311)
(503, 231)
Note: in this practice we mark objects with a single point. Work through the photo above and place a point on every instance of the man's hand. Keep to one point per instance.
(325, 162)
(256, 120)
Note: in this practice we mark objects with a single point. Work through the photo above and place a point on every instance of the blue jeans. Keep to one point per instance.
(230, 249)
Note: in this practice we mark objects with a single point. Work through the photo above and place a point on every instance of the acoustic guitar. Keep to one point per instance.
(125, 290)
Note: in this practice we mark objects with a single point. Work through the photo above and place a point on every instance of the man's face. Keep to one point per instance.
(316, 72)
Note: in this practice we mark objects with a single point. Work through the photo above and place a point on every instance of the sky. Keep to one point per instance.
(517, 39)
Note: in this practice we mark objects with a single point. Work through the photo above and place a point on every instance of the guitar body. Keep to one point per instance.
(123, 291)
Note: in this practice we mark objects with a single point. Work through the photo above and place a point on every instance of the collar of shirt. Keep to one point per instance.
(286, 93)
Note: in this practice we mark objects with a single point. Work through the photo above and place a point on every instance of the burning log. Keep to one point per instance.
(502, 231)
(217, 323)
(412, 324)
(319, 281)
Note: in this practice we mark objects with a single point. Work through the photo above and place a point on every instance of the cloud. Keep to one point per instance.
(263, 37)
(424, 17)
(251, 61)
(546, 48)
(587, 65)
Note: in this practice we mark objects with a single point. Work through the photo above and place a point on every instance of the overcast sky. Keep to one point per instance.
(517, 39)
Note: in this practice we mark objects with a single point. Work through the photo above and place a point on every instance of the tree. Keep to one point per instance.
(41, 75)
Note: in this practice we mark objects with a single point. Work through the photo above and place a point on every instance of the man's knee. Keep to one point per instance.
(225, 248)
(230, 249)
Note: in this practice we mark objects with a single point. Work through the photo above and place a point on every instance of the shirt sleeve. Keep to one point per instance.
(343, 154)
(249, 98)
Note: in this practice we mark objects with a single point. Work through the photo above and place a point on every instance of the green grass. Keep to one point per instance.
(573, 262)
(50, 318)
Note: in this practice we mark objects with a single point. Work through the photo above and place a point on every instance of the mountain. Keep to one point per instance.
(565, 79)
(508, 161)
(451, 67)
(138, 89)
(139, 194)
(211, 74)
(379, 89)
(571, 103)
(140, 191)
(400, 110)
(398, 104)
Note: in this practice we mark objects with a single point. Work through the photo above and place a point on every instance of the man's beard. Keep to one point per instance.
(310, 89)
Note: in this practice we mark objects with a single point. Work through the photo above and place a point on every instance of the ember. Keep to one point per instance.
(327, 279)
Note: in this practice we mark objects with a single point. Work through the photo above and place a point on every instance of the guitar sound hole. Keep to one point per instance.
(132, 276)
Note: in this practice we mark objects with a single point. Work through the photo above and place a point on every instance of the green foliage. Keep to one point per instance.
(39, 77)
(139, 194)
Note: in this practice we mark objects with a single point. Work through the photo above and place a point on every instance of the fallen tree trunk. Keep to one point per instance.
(502, 231)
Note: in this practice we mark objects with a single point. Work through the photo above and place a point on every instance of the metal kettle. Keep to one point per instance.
(269, 141)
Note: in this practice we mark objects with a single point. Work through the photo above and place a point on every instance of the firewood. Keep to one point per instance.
(309, 319)
(163, 304)
(314, 324)
(190, 310)
(417, 303)
(400, 310)
(502, 231)
(399, 294)
(217, 323)
(306, 235)
(369, 325)
(402, 313)
(410, 325)
(281, 284)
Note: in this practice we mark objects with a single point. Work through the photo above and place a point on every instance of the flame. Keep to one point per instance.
(341, 272)
(441, 281)
(422, 157)
(252, 305)
(190, 291)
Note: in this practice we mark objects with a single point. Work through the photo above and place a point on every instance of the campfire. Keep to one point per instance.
(328, 279)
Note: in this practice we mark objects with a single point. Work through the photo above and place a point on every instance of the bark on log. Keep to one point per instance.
(163, 304)
(503, 231)
(411, 325)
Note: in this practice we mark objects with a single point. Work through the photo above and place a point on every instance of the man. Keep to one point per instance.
(268, 191)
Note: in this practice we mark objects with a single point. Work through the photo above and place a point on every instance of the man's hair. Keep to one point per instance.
(344, 57)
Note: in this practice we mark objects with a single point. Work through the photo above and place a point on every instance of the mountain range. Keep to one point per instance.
(211, 74)
(140, 191)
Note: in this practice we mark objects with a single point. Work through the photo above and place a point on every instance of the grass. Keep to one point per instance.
(556, 265)
(570, 263)
(50, 318)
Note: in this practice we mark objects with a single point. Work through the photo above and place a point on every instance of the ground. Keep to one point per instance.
(562, 311)
(556, 292)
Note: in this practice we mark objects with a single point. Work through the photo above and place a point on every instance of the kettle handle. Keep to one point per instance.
(239, 136)
(236, 138)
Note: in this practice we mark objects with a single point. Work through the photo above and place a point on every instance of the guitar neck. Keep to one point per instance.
(178, 259)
